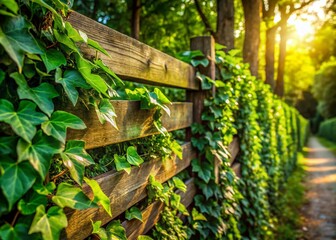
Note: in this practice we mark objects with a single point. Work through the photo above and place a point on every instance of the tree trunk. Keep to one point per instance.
(252, 33)
(94, 10)
(269, 56)
(225, 23)
(135, 21)
(279, 89)
(271, 29)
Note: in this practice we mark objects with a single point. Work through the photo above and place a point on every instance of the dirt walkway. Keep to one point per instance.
(320, 210)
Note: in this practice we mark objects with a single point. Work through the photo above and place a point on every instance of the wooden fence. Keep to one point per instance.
(138, 62)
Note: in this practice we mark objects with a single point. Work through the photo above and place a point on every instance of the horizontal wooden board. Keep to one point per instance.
(151, 214)
(133, 60)
(234, 149)
(124, 190)
(132, 123)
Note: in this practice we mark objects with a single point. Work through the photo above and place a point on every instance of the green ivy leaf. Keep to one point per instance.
(177, 149)
(53, 59)
(133, 157)
(70, 80)
(85, 68)
(7, 145)
(57, 125)
(44, 189)
(77, 36)
(106, 69)
(72, 197)
(6, 13)
(121, 163)
(18, 232)
(39, 152)
(75, 158)
(179, 184)
(196, 62)
(23, 121)
(161, 97)
(203, 169)
(97, 46)
(16, 39)
(116, 231)
(133, 213)
(98, 230)
(105, 112)
(65, 40)
(28, 204)
(99, 196)
(42, 95)
(11, 5)
(16, 180)
(197, 216)
(49, 224)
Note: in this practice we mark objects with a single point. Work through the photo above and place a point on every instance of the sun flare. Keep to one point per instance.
(303, 28)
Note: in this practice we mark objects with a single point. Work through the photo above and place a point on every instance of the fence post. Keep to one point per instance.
(206, 45)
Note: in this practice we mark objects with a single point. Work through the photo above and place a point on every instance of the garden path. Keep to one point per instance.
(319, 212)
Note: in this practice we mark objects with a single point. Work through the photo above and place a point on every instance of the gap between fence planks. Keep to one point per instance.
(151, 214)
(236, 167)
(132, 123)
(133, 60)
(234, 149)
(124, 191)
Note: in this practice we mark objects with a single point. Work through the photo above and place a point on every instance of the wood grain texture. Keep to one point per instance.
(133, 60)
(151, 215)
(234, 149)
(206, 45)
(124, 190)
(236, 168)
(132, 122)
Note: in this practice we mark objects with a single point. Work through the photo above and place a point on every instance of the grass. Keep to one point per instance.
(328, 144)
(290, 203)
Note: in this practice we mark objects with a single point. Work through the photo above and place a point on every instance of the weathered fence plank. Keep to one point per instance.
(234, 149)
(132, 122)
(151, 214)
(236, 167)
(133, 60)
(124, 191)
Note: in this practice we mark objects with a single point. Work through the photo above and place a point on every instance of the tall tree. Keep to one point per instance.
(252, 10)
(224, 33)
(286, 8)
(135, 20)
(279, 88)
(225, 23)
(268, 10)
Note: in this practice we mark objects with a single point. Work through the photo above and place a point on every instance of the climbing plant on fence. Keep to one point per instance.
(41, 64)
(270, 134)
(42, 69)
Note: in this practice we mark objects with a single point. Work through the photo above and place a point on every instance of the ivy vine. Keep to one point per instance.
(42, 66)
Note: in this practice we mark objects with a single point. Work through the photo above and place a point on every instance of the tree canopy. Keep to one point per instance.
(296, 36)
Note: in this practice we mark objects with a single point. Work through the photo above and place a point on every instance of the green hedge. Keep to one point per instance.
(328, 129)
(270, 134)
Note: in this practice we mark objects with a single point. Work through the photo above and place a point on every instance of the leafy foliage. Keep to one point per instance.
(324, 89)
(327, 129)
(41, 60)
(270, 133)
(170, 226)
